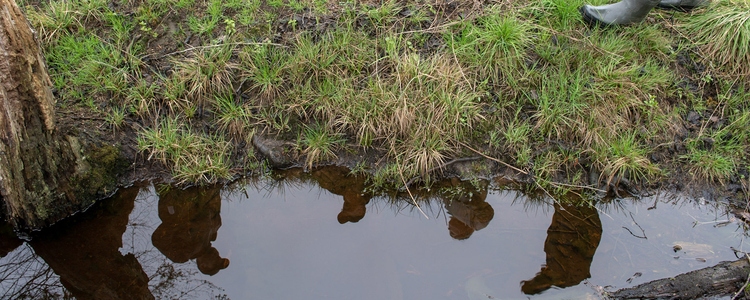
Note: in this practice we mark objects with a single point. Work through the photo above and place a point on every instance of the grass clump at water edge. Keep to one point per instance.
(191, 157)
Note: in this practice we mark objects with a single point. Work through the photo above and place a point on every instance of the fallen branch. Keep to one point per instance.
(723, 279)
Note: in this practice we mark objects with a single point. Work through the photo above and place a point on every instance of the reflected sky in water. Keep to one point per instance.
(327, 235)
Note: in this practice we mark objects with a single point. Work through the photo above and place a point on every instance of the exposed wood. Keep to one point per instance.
(723, 279)
(34, 161)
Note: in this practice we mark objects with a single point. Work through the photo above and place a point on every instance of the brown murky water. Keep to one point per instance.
(325, 235)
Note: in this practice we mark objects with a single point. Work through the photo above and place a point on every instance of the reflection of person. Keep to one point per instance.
(339, 181)
(8, 239)
(189, 222)
(631, 11)
(85, 253)
(468, 213)
(571, 242)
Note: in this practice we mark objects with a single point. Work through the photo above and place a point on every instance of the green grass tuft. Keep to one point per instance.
(723, 32)
(233, 117)
(319, 144)
(495, 45)
(190, 156)
(264, 65)
(624, 158)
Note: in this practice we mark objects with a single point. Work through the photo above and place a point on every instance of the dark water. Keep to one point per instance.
(326, 235)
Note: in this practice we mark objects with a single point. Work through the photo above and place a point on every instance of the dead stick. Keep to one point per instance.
(401, 174)
(494, 159)
(577, 186)
(431, 29)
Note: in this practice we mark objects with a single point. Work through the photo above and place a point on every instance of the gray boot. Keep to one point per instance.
(682, 4)
(621, 13)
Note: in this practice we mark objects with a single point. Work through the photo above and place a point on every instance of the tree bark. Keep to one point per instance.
(36, 164)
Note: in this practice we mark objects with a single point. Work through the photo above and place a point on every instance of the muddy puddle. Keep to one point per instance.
(326, 235)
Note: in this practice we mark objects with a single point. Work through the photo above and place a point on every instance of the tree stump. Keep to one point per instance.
(36, 164)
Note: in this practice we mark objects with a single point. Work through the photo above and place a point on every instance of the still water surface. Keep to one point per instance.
(325, 235)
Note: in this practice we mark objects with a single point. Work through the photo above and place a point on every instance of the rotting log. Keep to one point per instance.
(37, 164)
(723, 279)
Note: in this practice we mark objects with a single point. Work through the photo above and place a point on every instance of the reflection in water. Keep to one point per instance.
(22, 274)
(190, 220)
(468, 209)
(571, 242)
(85, 253)
(464, 202)
(8, 239)
(293, 249)
(339, 181)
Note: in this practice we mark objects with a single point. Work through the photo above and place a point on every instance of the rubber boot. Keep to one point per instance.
(683, 5)
(624, 12)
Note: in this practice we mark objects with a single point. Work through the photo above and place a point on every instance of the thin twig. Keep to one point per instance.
(703, 126)
(746, 282)
(401, 174)
(546, 192)
(639, 227)
(737, 251)
(595, 47)
(493, 159)
(431, 29)
(577, 186)
(555, 200)
(633, 234)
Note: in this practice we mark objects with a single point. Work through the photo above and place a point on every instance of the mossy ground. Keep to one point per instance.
(405, 87)
(105, 164)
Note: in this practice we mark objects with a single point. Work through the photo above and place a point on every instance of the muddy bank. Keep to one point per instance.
(476, 164)
(117, 162)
